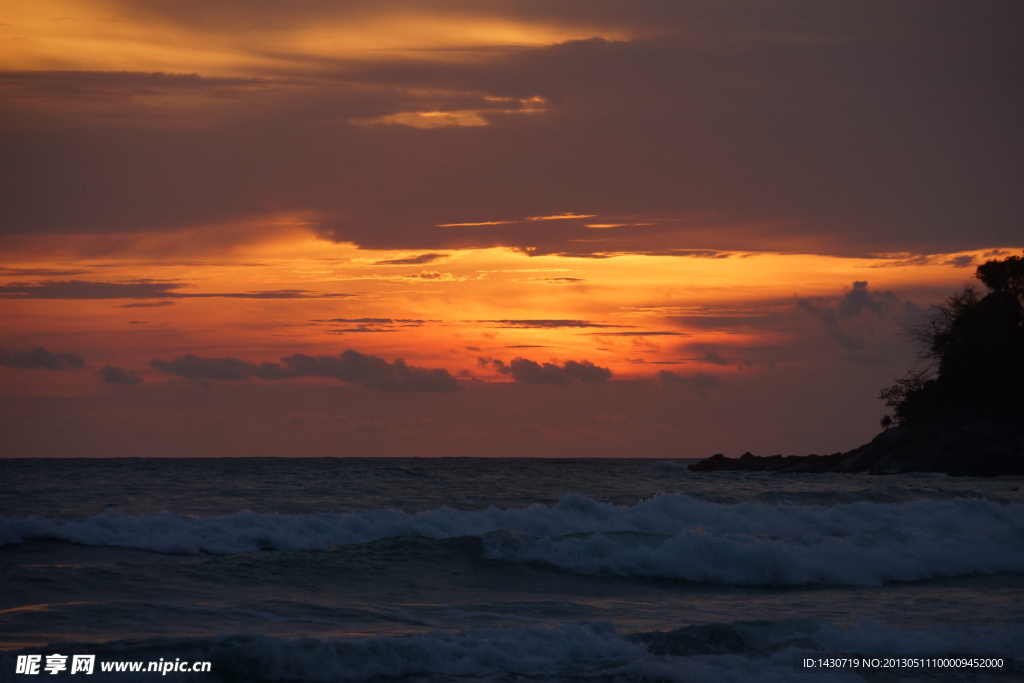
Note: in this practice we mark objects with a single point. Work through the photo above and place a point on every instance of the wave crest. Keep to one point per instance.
(672, 536)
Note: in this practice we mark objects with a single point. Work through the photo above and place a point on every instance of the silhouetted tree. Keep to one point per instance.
(975, 347)
(1004, 276)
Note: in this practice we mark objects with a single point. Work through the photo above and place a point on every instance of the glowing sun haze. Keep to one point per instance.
(652, 229)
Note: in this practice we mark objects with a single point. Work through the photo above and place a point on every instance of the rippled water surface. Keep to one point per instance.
(477, 569)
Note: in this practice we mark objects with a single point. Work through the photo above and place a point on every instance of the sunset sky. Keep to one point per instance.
(633, 228)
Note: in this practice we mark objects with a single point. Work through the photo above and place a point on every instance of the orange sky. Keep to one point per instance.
(690, 244)
(626, 312)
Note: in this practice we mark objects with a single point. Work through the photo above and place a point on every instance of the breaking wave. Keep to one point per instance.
(671, 536)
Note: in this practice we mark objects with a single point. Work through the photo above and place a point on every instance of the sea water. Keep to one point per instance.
(475, 569)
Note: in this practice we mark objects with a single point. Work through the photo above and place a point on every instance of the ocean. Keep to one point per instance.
(475, 569)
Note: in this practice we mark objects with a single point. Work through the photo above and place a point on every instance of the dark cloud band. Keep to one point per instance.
(39, 358)
(532, 372)
(350, 366)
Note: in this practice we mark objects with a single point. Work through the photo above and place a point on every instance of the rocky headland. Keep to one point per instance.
(964, 444)
(963, 415)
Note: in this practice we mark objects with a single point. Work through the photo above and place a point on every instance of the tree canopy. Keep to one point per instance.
(974, 343)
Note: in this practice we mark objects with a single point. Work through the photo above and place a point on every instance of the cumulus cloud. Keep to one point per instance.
(111, 374)
(430, 275)
(859, 299)
(39, 358)
(532, 372)
(862, 321)
(350, 366)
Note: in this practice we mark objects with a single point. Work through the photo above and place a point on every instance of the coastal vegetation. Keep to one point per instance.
(973, 353)
(962, 412)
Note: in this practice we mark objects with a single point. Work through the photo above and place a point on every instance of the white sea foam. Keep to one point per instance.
(562, 652)
(672, 535)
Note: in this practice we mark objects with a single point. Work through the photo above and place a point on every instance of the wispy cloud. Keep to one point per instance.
(412, 260)
(41, 272)
(148, 304)
(545, 323)
(640, 333)
(904, 260)
(140, 289)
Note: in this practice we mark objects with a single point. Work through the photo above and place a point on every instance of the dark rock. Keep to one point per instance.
(958, 443)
